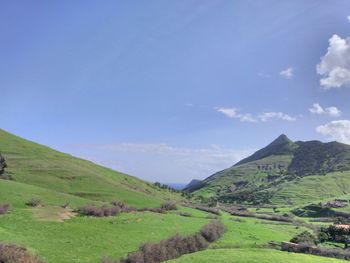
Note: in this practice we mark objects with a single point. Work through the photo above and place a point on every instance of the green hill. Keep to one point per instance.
(38, 165)
(58, 235)
(270, 174)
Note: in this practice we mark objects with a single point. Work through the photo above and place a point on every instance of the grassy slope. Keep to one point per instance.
(251, 256)
(250, 233)
(246, 241)
(247, 172)
(41, 166)
(299, 191)
(313, 188)
(58, 178)
(82, 239)
(292, 172)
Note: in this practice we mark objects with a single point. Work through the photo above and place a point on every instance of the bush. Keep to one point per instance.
(118, 203)
(170, 248)
(16, 254)
(4, 208)
(209, 210)
(304, 238)
(104, 211)
(213, 230)
(319, 251)
(2, 164)
(168, 206)
(174, 246)
(35, 202)
(153, 210)
(185, 214)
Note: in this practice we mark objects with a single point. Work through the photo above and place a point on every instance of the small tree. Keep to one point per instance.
(168, 206)
(304, 238)
(2, 164)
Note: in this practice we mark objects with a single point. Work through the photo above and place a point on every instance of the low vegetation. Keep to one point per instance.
(319, 251)
(4, 208)
(168, 206)
(175, 246)
(208, 209)
(305, 238)
(10, 253)
(93, 210)
(35, 202)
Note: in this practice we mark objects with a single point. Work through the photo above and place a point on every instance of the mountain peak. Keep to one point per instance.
(281, 140)
(280, 146)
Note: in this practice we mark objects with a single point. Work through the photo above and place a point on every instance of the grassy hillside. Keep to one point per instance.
(251, 256)
(82, 239)
(59, 235)
(38, 165)
(283, 172)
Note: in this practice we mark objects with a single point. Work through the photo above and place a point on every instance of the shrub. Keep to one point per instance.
(4, 208)
(213, 230)
(174, 246)
(2, 164)
(209, 210)
(16, 254)
(170, 248)
(168, 206)
(185, 214)
(322, 237)
(154, 210)
(35, 202)
(118, 203)
(304, 238)
(324, 252)
(104, 211)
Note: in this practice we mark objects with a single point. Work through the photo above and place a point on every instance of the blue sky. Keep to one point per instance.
(174, 90)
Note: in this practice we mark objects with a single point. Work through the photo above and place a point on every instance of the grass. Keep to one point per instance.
(243, 232)
(57, 179)
(82, 239)
(251, 256)
(38, 165)
(313, 188)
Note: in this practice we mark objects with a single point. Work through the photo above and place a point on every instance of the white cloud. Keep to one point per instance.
(348, 17)
(233, 113)
(336, 130)
(229, 112)
(331, 111)
(161, 162)
(265, 116)
(335, 64)
(287, 73)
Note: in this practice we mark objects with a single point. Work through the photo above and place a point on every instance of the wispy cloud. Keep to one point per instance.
(335, 64)
(233, 113)
(331, 111)
(287, 73)
(265, 116)
(336, 130)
